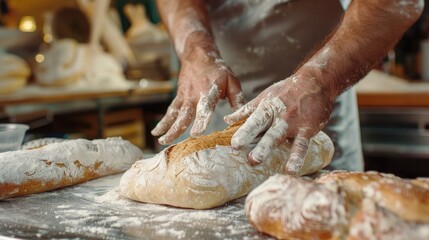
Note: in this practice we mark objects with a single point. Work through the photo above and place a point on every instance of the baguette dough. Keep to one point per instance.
(58, 165)
(207, 172)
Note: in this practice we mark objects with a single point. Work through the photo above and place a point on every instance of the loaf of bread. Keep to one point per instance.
(14, 72)
(62, 164)
(206, 172)
(63, 64)
(401, 197)
(289, 207)
(340, 205)
(375, 222)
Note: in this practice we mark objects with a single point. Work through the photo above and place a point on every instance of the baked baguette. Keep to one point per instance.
(288, 207)
(374, 222)
(405, 198)
(58, 165)
(340, 205)
(207, 172)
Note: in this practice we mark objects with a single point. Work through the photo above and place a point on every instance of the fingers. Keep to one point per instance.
(205, 108)
(168, 120)
(241, 113)
(298, 153)
(258, 122)
(275, 135)
(184, 119)
(235, 95)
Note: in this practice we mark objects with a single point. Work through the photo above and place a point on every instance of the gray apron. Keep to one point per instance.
(264, 41)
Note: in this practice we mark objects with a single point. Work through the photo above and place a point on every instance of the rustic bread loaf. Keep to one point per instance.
(340, 205)
(206, 172)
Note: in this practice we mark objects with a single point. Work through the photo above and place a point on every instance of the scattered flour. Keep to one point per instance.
(97, 210)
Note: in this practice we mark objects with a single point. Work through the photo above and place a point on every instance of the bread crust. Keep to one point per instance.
(374, 222)
(288, 207)
(58, 165)
(373, 206)
(206, 172)
(406, 198)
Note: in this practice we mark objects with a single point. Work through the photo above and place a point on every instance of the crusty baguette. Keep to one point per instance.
(206, 172)
(375, 222)
(289, 207)
(340, 205)
(63, 164)
(405, 198)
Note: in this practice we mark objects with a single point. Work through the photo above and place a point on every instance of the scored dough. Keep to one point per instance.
(206, 172)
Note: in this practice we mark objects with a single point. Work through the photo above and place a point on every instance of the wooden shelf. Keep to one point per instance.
(36, 94)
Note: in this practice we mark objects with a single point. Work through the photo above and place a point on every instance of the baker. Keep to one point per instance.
(297, 61)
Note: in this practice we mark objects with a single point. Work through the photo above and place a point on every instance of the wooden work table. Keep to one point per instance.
(378, 89)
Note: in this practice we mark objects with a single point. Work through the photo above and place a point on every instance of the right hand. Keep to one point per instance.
(203, 80)
(295, 108)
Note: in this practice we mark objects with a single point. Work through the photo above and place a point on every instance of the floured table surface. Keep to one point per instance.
(95, 210)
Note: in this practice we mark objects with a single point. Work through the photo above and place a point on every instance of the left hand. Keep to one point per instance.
(295, 108)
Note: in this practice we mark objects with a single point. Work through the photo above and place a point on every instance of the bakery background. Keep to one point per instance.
(67, 75)
(132, 78)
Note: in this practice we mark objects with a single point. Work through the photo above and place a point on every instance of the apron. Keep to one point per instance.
(264, 41)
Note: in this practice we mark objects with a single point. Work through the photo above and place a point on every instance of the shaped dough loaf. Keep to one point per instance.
(207, 172)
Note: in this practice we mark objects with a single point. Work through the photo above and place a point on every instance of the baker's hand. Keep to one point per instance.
(296, 108)
(203, 80)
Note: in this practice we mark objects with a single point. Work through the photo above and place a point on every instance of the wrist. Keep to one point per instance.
(324, 80)
(199, 45)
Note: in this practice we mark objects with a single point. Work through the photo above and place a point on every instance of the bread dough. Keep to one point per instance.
(207, 172)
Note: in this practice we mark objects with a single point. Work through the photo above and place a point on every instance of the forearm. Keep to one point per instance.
(188, 25)
(368, 31)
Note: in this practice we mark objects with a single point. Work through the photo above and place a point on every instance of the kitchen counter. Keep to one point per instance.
(378, 89)
(95, 210)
